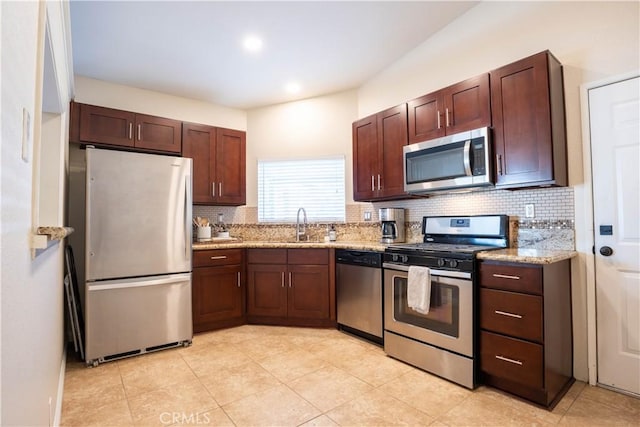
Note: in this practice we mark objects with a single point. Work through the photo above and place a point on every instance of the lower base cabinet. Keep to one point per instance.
(526, 345)
(291, 287)
(218, 290)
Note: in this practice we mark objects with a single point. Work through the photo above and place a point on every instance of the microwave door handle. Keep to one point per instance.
(467, 158)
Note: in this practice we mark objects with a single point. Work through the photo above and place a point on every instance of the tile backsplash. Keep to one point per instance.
(551, 228)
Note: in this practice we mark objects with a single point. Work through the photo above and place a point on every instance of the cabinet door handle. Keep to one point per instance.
(213, 189)
(378, 182)
(139, 132)
(438, 117)
(238, 279)
(130, 130)
(373, 184)
(219, 257)
(220, 189)
(446, 116)
(506, 359)
(506, 276)
(499, 162)
(283, 279)
(289, 279)
(506, 313)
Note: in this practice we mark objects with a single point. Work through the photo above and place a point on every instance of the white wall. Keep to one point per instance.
(107, 94)
(309, 128)
(32, 307)
(592, 40)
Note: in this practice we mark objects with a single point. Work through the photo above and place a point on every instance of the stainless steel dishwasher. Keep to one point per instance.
(359, 293)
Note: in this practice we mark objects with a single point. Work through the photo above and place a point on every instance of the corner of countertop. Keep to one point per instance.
(54, 232)
(527, 255)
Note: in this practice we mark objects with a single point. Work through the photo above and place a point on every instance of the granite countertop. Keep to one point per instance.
(527, 255)
(358, 246)
(55, 233)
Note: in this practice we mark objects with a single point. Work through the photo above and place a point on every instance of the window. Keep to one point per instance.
(317, 185)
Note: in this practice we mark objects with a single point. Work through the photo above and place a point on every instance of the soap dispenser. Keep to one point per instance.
(332, 233)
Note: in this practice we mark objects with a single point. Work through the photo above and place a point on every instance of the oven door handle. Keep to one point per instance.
(445, 273)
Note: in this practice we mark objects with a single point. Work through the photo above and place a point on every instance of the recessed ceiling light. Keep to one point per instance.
(252, 43)
(293, 87)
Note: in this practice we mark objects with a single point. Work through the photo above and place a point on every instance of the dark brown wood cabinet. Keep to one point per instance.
(527, 101)
(218, 289)
(102, 126)
(377, 155)
(219, 163)
(457, 108)
(526, 345)
(290, 287)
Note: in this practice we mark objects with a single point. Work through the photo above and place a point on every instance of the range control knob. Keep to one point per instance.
(453, 263)
(394, 258)
(441, 262)
(405, 258)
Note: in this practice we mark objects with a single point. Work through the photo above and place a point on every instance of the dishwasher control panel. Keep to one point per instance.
(364, 258)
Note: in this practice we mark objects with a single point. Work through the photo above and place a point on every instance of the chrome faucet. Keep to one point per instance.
(301, 231)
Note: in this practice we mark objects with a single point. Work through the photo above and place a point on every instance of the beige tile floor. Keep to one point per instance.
(277, 376)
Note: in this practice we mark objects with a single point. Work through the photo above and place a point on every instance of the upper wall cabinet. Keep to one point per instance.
(457, 108)
(377, 155)
(527, 101)
(102, 126)
(218, 164)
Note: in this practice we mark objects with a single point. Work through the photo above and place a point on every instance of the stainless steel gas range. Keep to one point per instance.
(443, 340)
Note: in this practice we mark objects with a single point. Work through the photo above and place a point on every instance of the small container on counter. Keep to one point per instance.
(332, 233)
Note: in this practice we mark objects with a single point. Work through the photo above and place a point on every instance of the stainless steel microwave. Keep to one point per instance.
(452, 162)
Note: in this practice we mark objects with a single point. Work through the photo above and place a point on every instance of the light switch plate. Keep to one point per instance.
(529, 210)
(26, 135)
(367, 216)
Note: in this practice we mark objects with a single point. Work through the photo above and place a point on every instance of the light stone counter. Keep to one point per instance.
(527, 255)
(55, 233)
(357, 246)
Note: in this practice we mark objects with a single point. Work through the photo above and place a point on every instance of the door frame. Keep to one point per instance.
(585, 227)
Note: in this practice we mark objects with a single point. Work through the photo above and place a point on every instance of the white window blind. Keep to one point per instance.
(317, 185)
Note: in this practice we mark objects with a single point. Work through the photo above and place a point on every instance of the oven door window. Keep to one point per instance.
(444, 310)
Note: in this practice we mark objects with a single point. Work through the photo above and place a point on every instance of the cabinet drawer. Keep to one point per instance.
(518, 315)
(511, 277)
(214, 257)
(308, 256)
(267, 256)
(512, 359)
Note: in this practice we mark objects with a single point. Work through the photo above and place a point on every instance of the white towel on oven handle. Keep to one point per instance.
(419, 289)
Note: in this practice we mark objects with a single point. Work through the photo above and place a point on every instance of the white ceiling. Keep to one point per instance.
(194, 49)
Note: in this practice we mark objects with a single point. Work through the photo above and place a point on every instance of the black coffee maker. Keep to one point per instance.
(392, 225)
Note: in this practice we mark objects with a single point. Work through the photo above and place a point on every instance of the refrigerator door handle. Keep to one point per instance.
(137, 283)
(187, 220)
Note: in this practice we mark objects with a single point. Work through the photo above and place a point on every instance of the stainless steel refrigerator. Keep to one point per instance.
(137, 253)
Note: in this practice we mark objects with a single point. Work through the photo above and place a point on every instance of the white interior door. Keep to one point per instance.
(614, 115)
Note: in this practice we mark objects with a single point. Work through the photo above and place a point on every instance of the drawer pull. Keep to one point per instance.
(505, 313)
(219, 257)
(506, 276)
(506, 359)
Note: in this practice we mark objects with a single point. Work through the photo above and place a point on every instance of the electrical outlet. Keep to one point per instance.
(529, 210)
(367, 216)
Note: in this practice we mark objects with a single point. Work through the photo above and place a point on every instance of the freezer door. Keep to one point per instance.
(129, 315)
(138, 214)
